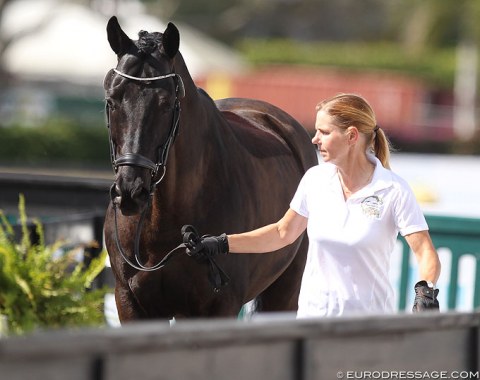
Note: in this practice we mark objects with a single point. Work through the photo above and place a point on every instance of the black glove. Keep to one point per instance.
(205, 246)
(425, 298)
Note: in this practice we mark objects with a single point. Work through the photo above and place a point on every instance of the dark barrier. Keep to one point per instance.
(71, 206)
(435, 346)
(50, 193)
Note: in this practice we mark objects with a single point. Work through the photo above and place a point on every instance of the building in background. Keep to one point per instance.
(60, 66)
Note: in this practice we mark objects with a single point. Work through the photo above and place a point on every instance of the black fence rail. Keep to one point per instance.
(53, 192)
(70, 205)
(435, 346)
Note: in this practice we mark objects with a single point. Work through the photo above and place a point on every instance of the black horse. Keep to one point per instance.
(234, 166)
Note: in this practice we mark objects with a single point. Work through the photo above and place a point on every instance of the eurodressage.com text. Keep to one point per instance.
(408, 375)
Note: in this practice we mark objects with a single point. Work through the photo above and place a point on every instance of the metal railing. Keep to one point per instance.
(433, 346)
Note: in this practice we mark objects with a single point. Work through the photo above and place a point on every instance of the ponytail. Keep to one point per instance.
(382, 148)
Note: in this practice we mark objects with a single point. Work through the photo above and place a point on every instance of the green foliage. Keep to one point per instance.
(435, 65)
(56, 141)
(41, 286)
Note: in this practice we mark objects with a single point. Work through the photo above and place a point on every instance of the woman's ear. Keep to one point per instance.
(352, 134)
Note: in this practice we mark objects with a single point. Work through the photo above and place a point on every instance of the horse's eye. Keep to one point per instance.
(165, 106)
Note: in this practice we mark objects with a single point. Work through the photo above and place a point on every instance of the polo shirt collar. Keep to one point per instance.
(382, 179)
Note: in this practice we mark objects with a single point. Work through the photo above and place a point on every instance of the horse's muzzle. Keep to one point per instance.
(130, 197)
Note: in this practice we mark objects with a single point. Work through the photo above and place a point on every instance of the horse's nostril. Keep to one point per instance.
(131, 197)
(115, 194)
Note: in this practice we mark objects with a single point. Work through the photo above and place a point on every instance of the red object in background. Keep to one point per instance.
(401, 103)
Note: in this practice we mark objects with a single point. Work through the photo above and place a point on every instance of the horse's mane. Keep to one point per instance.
(148, 42)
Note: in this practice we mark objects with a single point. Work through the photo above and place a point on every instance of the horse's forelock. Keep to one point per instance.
(148, 42)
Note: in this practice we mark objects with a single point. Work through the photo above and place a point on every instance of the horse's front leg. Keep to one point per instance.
(127, 305)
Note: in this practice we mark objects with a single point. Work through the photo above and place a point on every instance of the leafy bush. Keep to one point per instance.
(41, 286)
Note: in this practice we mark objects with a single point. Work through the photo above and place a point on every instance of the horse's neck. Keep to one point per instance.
(201, 133)
(198, 141)
(190, 87)
(199, 113)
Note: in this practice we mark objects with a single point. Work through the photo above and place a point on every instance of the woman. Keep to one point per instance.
(353, 208)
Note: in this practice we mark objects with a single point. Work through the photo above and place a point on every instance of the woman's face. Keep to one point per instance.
(330, 140)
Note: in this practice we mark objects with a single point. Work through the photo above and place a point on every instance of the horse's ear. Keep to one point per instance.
(171, 40)
(119, 41)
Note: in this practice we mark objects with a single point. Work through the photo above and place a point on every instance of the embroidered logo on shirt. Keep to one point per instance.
(372, 206)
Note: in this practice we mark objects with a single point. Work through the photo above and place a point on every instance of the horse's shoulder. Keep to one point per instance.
(256, 137)
(262, 115)
(255, 120)
(252, 116)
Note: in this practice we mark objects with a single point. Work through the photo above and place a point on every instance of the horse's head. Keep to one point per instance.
(142, 103)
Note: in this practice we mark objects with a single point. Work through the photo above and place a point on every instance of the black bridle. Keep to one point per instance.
(136, 159)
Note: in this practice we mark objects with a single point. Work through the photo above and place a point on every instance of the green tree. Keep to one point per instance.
(422, 24)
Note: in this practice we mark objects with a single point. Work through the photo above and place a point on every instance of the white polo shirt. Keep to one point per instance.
(351, 241)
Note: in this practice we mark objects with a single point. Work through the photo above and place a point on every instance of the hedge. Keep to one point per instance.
(58, 141)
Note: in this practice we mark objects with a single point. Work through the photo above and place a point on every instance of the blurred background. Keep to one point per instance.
(416, 61)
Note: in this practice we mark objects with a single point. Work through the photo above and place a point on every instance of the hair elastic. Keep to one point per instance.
(377, 127)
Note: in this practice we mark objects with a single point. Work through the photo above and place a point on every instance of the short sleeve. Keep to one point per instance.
(299, 202)
(408, 214)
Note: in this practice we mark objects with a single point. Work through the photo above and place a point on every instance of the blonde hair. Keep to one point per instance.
(348, 110)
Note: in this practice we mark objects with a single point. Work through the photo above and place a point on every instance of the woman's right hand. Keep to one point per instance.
(206, 245)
